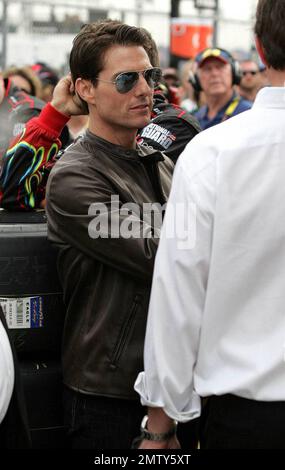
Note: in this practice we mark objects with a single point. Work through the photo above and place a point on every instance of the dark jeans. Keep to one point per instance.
(231, 422)
(96, 422)
(188, 434)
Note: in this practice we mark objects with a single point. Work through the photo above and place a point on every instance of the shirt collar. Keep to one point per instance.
(270, 97)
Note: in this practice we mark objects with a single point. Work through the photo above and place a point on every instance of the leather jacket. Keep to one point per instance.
(106, 281)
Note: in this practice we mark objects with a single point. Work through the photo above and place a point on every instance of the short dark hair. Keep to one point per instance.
(91, 43)
(269, 28)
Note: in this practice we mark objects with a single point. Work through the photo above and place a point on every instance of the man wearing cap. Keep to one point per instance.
(216, 75)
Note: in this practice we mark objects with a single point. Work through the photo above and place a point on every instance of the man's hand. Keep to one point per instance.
(171, 443)
(65, 100)
(159, 423)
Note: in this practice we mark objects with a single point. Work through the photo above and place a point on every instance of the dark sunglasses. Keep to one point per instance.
(251, 72)
(126, 81)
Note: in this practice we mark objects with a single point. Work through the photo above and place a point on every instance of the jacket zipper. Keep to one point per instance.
(124, 333)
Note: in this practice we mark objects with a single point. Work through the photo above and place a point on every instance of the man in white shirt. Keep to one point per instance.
(216, 325)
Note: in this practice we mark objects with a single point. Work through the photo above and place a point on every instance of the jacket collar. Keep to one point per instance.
(142, 152)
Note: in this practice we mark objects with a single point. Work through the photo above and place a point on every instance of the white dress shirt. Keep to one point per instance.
(6, 372)
(216, 321)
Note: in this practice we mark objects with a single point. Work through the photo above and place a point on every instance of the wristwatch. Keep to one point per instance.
(158, 437)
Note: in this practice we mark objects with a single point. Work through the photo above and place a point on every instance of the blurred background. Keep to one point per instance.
(42, 30)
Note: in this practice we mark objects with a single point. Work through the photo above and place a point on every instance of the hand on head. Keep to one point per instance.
(66, 100)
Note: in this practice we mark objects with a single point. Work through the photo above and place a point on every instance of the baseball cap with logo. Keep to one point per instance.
(220, 54)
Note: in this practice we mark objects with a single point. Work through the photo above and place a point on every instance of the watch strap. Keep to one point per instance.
(158, 437)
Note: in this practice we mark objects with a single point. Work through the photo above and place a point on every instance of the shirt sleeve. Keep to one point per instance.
(168, 134)
(179, 291)
(27, 162)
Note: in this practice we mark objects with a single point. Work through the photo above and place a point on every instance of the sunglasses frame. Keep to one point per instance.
(135, 80)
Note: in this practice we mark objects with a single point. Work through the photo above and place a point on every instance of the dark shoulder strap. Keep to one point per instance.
(189, 119)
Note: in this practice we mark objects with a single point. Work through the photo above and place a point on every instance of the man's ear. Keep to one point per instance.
(260, 50)
(85, 90)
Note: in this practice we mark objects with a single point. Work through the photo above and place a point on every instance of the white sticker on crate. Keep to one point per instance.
(24, 312)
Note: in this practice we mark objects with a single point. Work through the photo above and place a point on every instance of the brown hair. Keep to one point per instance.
(269, 28)
(94, 39)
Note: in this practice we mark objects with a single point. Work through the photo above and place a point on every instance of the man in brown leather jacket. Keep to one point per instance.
(99, 198)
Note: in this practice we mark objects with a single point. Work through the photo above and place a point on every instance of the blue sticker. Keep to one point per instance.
(36, 312)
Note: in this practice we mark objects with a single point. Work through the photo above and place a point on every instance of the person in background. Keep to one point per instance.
(48, 77)
(24, 168)
(77, 124)
(171, 77)
(25, 79)
(171, 127)
(215, 332)
(16, 108)
(216, 75)
(250, 80)
(190, 98)
(263, 77)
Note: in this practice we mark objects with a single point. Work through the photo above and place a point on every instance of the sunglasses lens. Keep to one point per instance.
(126, 81)
(153, 76)
(249, 72)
